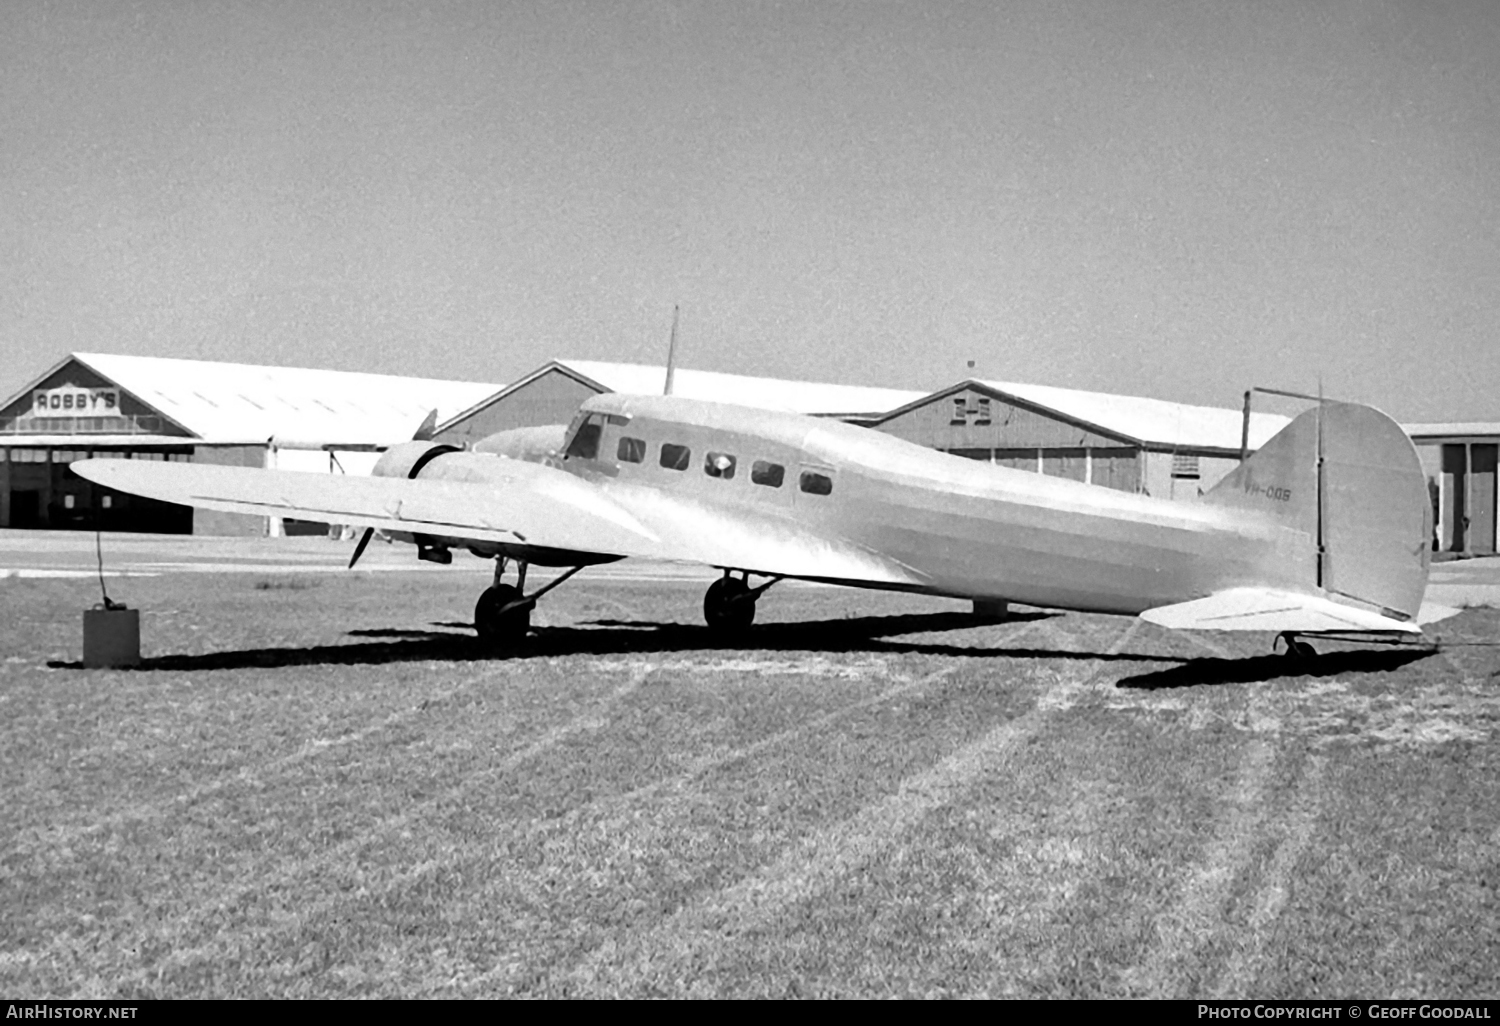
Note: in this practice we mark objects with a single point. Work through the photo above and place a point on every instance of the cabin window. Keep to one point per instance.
(719, 464)
(585, 443)
(960, 411)
(675, 457)
(769, 474)
(631, 450)
(983, 418)
(814, 483)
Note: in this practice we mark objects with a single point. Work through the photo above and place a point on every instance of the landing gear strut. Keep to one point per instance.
(502, 616)
(1294, 649)
(729, 605)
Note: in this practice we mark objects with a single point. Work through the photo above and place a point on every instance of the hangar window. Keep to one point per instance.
(719, 464)
(814, 483)
(970, 408)
(585, 443)
(631, 450)
(1185, 467)
(769, 474)
(675, 457)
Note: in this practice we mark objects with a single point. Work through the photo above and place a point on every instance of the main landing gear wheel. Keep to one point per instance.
(494, 622)
(729, 606)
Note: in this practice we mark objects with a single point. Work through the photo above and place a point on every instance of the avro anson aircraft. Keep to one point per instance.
(1323, 531)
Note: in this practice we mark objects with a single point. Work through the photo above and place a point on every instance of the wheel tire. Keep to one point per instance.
(726, 608)
(501, 628)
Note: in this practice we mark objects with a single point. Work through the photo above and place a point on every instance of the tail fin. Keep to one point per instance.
(1349, 477)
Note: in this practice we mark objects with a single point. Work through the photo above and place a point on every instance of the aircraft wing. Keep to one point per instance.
(519, 503)
(529, 505)
(1270, 609)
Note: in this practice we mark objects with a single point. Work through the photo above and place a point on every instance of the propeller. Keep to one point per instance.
(424, 434)
(359, 550)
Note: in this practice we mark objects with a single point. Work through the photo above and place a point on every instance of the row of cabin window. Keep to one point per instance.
(722, 465)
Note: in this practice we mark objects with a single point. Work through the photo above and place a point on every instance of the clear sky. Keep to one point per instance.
(1158, 197)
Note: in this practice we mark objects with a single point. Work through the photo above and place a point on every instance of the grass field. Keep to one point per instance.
(318, 785)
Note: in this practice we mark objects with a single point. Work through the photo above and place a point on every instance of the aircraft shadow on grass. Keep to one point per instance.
(606, 637)
(1260, 669)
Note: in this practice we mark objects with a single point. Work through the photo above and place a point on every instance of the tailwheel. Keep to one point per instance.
(1296, 649)
(729, 606)
(502, 616)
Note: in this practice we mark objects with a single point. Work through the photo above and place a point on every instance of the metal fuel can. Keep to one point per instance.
(111, 636)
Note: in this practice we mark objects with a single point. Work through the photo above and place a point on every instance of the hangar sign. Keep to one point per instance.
(73, 401)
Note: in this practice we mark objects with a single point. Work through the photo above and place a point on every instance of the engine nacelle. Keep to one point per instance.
(409, 458)
(437, 461)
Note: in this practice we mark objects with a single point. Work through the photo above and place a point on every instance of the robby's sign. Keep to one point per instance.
(72, 401)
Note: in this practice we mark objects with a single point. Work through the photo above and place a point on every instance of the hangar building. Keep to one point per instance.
(551, 394)
(164, 409)
(1169, 450)
(332, 421)
(1135, 444)
(1460, 462)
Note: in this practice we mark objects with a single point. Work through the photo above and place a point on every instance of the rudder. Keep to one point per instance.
(1366, 510)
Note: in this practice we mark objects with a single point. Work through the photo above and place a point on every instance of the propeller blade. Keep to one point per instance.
(428, 428)
(359, 550)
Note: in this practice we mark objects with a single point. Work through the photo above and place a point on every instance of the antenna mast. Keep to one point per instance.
(1322, 498)
(672, 353)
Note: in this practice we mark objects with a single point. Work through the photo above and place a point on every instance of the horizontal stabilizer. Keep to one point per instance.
(1268, 609)
(1431, 612)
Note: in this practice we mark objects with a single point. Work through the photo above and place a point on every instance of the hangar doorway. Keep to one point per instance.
(39, 491)
(1469, 498)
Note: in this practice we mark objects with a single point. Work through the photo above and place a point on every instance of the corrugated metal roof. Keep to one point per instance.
(1460, 429)
(245, 403)
(808, 397)
(1150, 421)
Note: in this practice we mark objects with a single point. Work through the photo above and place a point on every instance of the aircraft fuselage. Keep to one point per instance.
(945, 524)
